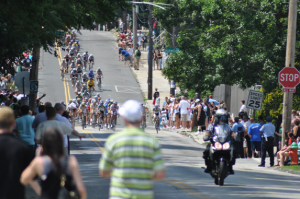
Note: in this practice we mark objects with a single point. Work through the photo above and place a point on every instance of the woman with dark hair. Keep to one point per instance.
(52, 166)
(199, 111)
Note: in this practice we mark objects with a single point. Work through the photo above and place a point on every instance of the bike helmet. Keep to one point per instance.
(79, 59)
(221, 116)
(78, 54)
(92, 55)
(101, 101)
(73, 61)
(98, 69)
(91, 70)
(156, 105)
(86, 52)
(78, 81)
(62, 102)
(67, 54)
(78, 99)
(74, 100)
(111, 100)
(83, 103)
(98, 94)
(93, 100)
(115, 102)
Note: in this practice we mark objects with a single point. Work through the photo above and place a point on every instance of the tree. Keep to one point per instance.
(227, 42)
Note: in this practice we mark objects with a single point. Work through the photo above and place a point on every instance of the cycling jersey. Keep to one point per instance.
(72, 65)
(67, 58)
(114, 109)
(78, 61)
(144, 110)
(99, 73)
(78, 85)
(91, 82)
(91, 58)
(85, 56)
(84, 79)
(93, 107)
(101, 108)
(72, 106)
(156, 111)
(91, 74)
(83, 108)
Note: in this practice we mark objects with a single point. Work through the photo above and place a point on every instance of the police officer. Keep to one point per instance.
(219, 127)
(267, 132)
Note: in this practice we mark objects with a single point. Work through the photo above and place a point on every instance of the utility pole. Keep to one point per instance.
(134, 18)
(34, 75)
(289, 62)
(150, 52)
(124, 20)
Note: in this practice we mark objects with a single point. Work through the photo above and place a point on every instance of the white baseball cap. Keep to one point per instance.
(131, 110)
(197, 100)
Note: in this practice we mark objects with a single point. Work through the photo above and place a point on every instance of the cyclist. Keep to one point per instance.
(73, 107)
(73, 76)
(101, 112)
(63, 67)
(107, 105)
(144, 111)
(85, 57)
(68, 39)
(83, 110)
(85, 92)
(78, 56)
(99, 74)
(78, 46)
(113, 112)
(72, 52)
(91, 59)
(67, 58)
(72, 65)
(79, 71)
(156, 113)
(91, 84)
(78, 95)
(85, 78)
(93, 108)
(91, 73)
(78, 86)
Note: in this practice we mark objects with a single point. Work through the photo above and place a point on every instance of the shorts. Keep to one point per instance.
(188, 118)
(90, 86)
(164, 120)
(127, 58)
(255, 145)
(155, 114)
(183, 117)
(120, 51)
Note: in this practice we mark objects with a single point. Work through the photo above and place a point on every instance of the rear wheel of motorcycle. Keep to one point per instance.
(221, 173)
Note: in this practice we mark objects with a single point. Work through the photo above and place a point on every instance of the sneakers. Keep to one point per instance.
(198, 133)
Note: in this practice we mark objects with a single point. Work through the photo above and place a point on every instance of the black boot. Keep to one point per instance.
(208, 166)
(230, 170)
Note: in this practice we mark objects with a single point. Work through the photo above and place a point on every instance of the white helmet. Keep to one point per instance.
(74, 100)
(91, 55)
(93, 100)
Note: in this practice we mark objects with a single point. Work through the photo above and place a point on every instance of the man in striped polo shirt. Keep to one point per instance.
(132, 158)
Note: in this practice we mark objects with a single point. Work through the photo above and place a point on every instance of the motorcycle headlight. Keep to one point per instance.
(218, 145)
(226, 146)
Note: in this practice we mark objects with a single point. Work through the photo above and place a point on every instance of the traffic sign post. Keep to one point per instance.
(34, 85)
(289, 78)
(255, 100)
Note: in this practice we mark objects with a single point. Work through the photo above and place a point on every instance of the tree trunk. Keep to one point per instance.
(34, 76)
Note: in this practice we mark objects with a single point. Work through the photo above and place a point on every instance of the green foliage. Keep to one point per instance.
(272, 104)
(227, 42)
(24, 24)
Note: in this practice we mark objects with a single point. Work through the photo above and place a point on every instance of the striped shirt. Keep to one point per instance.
(133, 157)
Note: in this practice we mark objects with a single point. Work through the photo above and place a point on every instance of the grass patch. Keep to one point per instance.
(206, 143)
(194, 129)
(292, 167)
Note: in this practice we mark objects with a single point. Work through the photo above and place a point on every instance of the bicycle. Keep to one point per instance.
(143, 123)
(99, 82)
(101, 116)
(114, 122)
(94, 122)
(72, 117)
(83, 121)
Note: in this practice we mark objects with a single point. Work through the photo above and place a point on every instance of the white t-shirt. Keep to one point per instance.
(60, 126)
(157, 101)
(130, 51)
(243, 108)
(183, 105)
(245, 124)
(139, 38)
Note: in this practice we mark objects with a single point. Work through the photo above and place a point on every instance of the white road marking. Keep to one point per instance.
(127, 89)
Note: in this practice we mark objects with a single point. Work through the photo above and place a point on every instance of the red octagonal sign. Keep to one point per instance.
(289, 77)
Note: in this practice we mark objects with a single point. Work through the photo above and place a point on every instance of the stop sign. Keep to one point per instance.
(289, 77)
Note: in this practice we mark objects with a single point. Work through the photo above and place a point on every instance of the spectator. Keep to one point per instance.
(126, 56)
(158, 58)
(184, 107)
(51, 122)
(41, 117)
(199, 110)
(15, 156)
(157, 100)
(296, 129)
(239, 129)
(155, 95)
(144, 40)
(255, 138)
(24, 128)
(283, 154)
(207, 112)
(124, 182)
(246, 124)
(243, 106)
(279, 135)
(14, 104)
(53, 164)
(139, 38)
(137, 56)
(27, 63)
(268, 139)
(166, 101)
(59, 108)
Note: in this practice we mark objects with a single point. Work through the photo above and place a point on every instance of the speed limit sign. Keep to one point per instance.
(255, 100)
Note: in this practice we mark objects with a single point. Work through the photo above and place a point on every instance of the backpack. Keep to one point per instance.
(138, 53)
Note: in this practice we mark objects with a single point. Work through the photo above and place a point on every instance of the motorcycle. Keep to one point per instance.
(221, 154)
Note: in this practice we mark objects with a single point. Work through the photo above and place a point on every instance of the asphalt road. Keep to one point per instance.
(183, 156)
